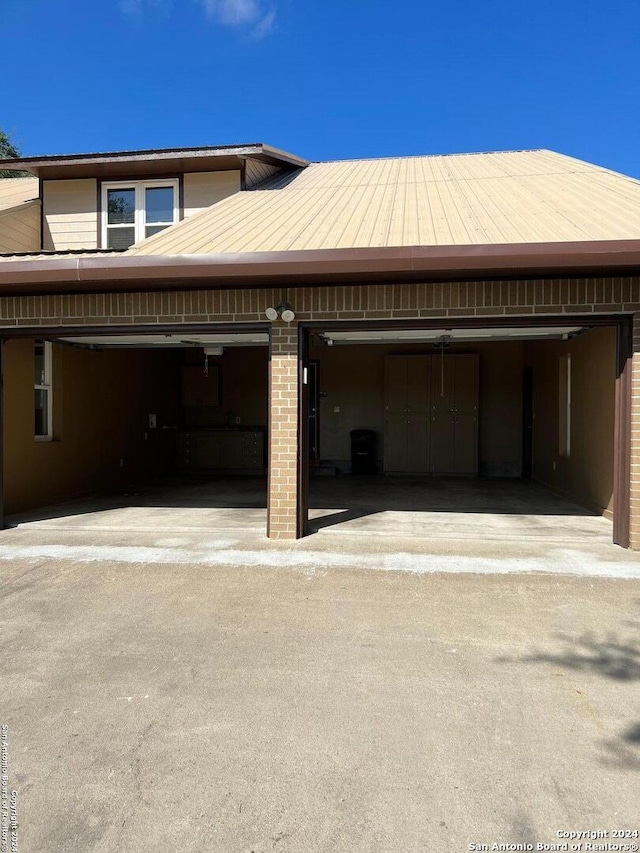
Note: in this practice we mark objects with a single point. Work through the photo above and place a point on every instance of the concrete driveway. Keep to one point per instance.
(174, 693)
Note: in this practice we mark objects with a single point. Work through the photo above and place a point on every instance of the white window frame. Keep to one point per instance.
(139, 224)
(47, 386)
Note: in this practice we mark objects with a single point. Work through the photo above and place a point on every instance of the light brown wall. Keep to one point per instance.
(20, 229)
(70, 214)
(586, 475)
(243, 378)
(101, 403)
(353, 378)
(202, 189)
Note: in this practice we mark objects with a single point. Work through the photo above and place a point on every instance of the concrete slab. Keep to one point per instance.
(450, 508)
(396, 507)
(237, 503)
(228, 705)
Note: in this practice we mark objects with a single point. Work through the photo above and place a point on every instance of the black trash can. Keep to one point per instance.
(363, 451)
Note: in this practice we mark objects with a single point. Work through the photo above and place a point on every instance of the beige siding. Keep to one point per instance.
(16, 191)
(20, 229)
(71, 214)
(202, 189)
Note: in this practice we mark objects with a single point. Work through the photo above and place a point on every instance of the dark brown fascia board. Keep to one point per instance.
(277, 157)
(264, 269)
(225, 156)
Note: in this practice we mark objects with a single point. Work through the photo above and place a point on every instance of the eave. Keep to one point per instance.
(151, 161)
(122, 273)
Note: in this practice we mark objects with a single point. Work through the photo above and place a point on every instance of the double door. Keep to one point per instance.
(431, 414)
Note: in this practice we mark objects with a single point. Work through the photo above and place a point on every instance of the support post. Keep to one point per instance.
(283, 432)
(633, 447)
(622, 437)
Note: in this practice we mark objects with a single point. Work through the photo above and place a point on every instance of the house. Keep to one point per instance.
(239, 309)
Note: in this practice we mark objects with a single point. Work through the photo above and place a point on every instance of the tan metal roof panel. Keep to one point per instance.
(17, 191)
(462, 199)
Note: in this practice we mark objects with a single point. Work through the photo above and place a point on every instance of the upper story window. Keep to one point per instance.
(134, 210)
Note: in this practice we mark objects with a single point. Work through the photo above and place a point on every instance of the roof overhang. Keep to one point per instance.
(151, 161)
(108, 272)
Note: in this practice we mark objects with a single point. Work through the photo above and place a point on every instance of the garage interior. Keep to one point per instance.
(485, 432)
(155, 420)
(498, 432)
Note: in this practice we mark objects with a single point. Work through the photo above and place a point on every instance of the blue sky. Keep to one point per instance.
(324, 79)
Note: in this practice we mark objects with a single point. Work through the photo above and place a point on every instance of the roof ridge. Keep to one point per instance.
(426, 156)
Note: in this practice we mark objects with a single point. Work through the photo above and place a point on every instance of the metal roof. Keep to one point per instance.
(510, 197)
(15, 192)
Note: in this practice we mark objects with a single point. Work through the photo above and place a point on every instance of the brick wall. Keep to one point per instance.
(450, 299)
(283, 431)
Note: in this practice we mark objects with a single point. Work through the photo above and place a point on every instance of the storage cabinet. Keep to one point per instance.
(431, 414)
(223, 450)
(407, 393)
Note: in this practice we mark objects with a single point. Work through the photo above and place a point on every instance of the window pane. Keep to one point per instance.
(39, 373)
(120, 238)
(42, 412)
(121, 206)
(159, 204)
(150, 230)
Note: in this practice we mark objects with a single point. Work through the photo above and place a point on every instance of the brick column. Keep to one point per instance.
(634, 509)
(283, 431)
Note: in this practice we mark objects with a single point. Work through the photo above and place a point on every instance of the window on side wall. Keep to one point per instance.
(43, 391)
(135, 210)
